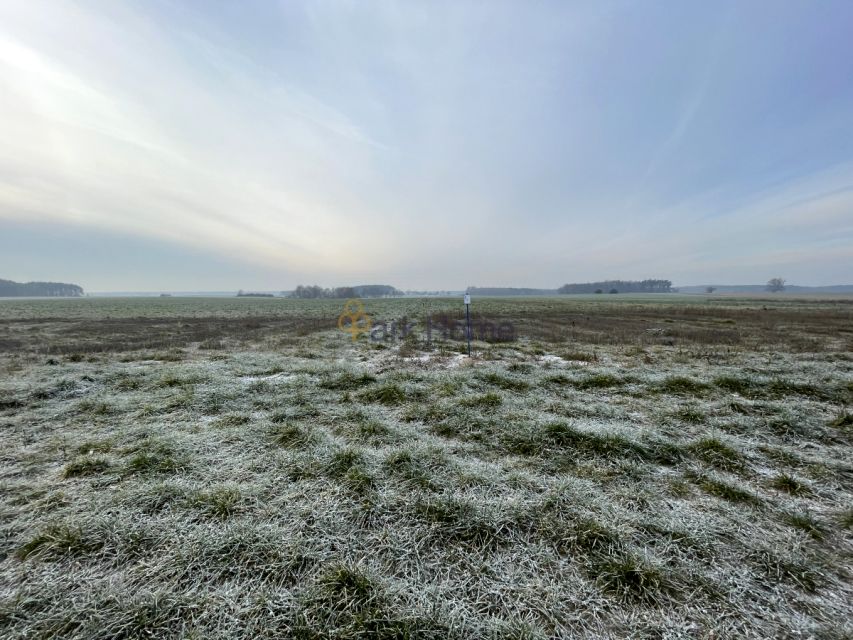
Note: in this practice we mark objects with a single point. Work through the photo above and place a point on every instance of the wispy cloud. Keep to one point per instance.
(433, 145)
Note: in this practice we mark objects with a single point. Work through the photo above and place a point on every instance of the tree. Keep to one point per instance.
(626, 286)
(775, 285)
(344, 292)
(41, 289)
(710, 289)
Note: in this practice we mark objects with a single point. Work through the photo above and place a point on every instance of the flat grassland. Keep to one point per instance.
(648, 466)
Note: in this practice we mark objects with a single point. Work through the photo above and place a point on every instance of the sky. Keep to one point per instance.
(204, 145)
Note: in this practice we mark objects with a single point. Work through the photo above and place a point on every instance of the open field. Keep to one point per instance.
(647, 466)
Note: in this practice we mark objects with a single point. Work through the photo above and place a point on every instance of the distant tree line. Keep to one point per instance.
(510, 291)
(312, 292)
(619, 286)
(9, 289)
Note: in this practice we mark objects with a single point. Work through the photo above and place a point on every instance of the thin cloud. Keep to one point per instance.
(464, 143)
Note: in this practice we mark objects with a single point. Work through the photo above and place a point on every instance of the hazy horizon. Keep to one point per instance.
(452, 289)
(212, 146)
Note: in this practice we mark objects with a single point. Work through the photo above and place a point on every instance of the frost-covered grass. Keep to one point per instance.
(224, 469)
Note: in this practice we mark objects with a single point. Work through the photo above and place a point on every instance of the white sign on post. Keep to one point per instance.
(467, 298)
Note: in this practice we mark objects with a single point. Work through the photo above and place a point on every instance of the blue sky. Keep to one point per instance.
(217, 145)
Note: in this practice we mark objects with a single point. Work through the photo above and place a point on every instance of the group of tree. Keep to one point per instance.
(775, 285)
(619, 286)
(311, 292)
(9, 289)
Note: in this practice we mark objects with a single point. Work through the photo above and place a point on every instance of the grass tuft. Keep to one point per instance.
(155, 456)
(94, 408)
(584, 534)
(293, 436)
(504, 382)
(630, 578)
(488, 400)
(86, 466)
(693, 415)
(805, 522)
(718, 454)
(742, 386)
(343, 461)
(609, 445)
(790, 484)
(799, 571)
(725, 490)
(233, 420)
(842, 421)
(347, 588)
(411, 469)
(348, 381)
(682, 386)
(219, 502)
(457, 520)
(599, 381)
(845, 518)
(57, 540)
(390, 394)
(91, 447)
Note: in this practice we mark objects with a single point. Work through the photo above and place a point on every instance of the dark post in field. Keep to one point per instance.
(468, 320)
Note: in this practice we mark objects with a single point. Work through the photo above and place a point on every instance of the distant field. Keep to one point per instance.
(646, 466)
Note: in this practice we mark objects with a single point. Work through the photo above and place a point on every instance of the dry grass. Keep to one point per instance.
(222, 468)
